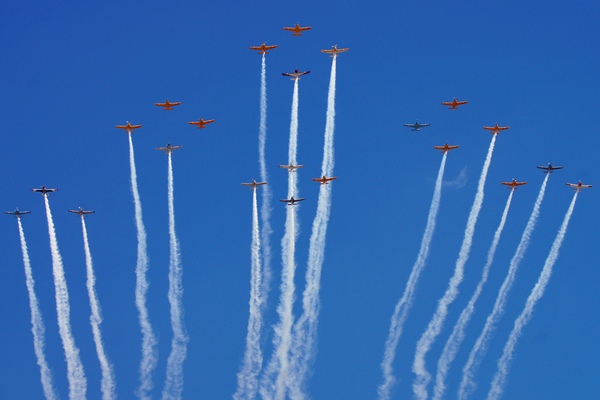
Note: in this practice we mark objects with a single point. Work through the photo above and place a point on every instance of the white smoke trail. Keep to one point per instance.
(468, 385)
(458, 333)
(37, 323)
(435, 325)
(406, 302)
(305, 330)
(538, 291)
(174, 382)
(75, 373)
(107, 384)
(149, 342)
(247, 377)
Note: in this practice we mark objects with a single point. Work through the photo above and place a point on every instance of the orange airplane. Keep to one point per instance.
(454, 104)
(324, 180)
(201, 123)
(513, 185)
(496, 129)
(129, 128)
(334, 51)
(167, 105)
(263, 49)
(446, 148)
(297, 29)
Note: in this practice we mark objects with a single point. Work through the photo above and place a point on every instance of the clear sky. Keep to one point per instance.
(71, 71)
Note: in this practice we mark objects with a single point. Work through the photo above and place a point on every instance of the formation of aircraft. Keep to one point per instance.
(292, 201)
(17, 213)
(201, 123)
(549, 168)
(454, 104)
(416, 126)
(167, 105)
(446, 148)
(513, 185)
(263, 49)
(129, 128)
(81, 213)
(578, 186)
(254, 184)
(43, 191)
(324, 180)
(296, 74)
(496, 129)
(297, 29)
(334, 52)
(291, 167)
(169, 148)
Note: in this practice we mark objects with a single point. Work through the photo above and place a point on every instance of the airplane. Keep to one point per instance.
(495, 129)
(579, 186)
(129, 128)
(297, 29)
(324, 180)
(43, 191)
(296, 75)
(446, 148)
(169, 148)
(17, 213)
(549, 168)
(513, 185)
(82, 213)
(416, 126)
(334, 51)
(292, 201)
(291, 167)
(263, 49)
(454, 104)
(254, 184)
(167, 105)
(201, 123)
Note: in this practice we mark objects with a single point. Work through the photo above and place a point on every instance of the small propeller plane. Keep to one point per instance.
(496, 129)
(513, 185)
(334, 52)
(454, 104)
(549, 168)
(324, 180)
(416, 126)
(201, 123)
(291, 167)
(579, 186)
(254, 184)
(17, 213)
(129, 128)
(292, 201)
(167, 105)
(169, 148)
(297, 29)
(296, 75)
(263, 49)
(446, 148)
(81, 213)
(43, 191)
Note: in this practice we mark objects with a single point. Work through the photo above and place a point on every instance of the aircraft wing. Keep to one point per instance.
(255, 48)
(289, 29)
(209, 121)
(424, 124)
(579, 186)
(521, 183)
(546, 168)
(447, 104)
(410, 125)
(458, 103)
(270, 47)
(286, 201)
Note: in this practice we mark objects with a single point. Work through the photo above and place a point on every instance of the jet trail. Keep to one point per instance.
(406, 302)
(435, 325)
(458, 333)
(538, 291)
(37, 323)
(467, 385)
(107, 384)
(149, 342)
(174, 382)
(75, 373)
(247, 377)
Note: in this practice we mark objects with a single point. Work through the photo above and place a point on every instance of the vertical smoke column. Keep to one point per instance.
(37, 323)
(406, 302)
(174, 382)
(107, 384)
(538, 291)
(149, 351)
(75, 373)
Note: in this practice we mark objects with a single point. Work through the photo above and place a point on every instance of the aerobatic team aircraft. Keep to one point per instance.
(291, 167)
(579, 186)
(513, 185)
(454, 104)
(297, 29)
(129, 128)
(549, 168)
(496, 129)
(292, 201)
(263, 49)
(324, 180)
(296, 75)
(446, 148)
(334, 52)
(169, 148)
(17, 213)
(167, 105)
(201, 123)
(81, 213)
(254, 184)
(43, 191)
(416, 126)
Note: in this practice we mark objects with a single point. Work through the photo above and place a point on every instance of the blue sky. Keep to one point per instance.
(72, 71)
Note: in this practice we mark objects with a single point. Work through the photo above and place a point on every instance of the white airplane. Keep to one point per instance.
(81, 213)
(43, 191)
(169, 148)
(416, 126)
(578, 186)
(296, 75)
(17, 213)
(292, 201)
(291, 167)
(254, 184)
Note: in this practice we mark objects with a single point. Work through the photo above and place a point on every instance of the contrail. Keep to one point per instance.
(37, 323)
(247, 377)
(435, 325)
(149, 351)
(458, 333)
(75, 373)
(174, 382)
(406, 302)
(305, 330)
(107, 384)
(467, 385)
(538, 291)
